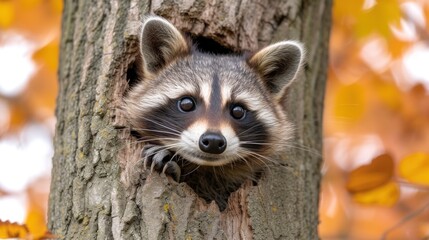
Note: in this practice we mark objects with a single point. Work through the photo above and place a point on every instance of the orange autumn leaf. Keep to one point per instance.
(48, 55)
(40, 93)
(387, 92)
(426, 11)
(397, 47)
(385, 195)
(13, 230)
(375, 19)
(347, 8)
(7, 13)
(371, 176)
(57, 5)
(349, 102)
(18, 115)
(35, 222)
(415, 168)
(378, 19)
(30, 4)
(424, 230)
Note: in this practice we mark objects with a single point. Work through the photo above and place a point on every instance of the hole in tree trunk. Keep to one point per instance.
(134, 72)
(208, 45)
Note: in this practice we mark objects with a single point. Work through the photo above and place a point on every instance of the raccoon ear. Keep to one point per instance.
(278, 64)
(160, 44)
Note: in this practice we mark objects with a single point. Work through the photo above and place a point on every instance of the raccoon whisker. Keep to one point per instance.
(249, 129)
(269, 145)
(167, 147)
(162, 125)
(262, 161)
(305, 149)
(184, 161)
(245, 153)
(259, 157)
(267, 162)
(166, 128)
(174, 155)
(153, 139)
(177, 156)
(195, 169)
(171, 123)
(171, 146)
(156, 131)
(242, 158)
(222, 170)
(257, 143)
(285, 144)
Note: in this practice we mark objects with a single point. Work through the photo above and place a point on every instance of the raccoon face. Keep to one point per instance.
(211, 110)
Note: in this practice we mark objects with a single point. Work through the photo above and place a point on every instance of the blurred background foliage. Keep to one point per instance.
(29, 37)
(376, 124)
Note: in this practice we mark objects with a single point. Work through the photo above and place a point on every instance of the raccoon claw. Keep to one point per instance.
(157, 158)
(172, 169)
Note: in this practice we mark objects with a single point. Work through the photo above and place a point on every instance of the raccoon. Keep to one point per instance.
(211, 121)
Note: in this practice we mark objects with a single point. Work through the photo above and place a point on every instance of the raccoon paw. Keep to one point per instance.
(172, 168)
(155, 157)
(158, 158)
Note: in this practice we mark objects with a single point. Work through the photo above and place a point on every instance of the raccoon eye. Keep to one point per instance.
(186, 104)
(238, 112)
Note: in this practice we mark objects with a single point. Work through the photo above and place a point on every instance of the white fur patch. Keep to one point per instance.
(162, 95)
(232, 140)
(225, 94)
(191, 136)
(253, 101)
(256, 104)
(205, 93)
(190, 145)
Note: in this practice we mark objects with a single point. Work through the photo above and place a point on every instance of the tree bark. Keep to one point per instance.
(99, 50)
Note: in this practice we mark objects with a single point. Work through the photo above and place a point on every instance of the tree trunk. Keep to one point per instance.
(99, 50)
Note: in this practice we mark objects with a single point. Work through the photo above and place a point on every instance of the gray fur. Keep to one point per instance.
(278, 64)
(161, 44)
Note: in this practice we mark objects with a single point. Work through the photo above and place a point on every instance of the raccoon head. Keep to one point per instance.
(211, 110)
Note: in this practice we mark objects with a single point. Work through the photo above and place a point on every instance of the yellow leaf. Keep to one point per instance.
(18, 115)
(371, 176)
(376, 19)
(35, 222)
(7, 13)
(12, 230)
(349, 102)
(415, 168)
(386, 195)
(397, 47)
(389, 94)
(30, 4)
(57, 5)
(48, 55)
(347, 8)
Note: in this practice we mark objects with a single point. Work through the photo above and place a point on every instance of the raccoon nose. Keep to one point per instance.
(212, 143)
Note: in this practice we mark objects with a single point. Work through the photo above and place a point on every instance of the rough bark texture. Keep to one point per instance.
(92, 143)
